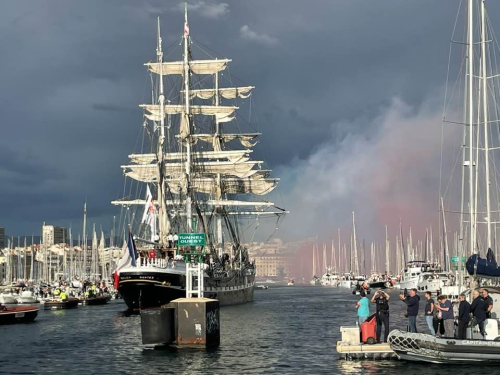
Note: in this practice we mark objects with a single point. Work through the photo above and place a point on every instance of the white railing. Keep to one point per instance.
(156, 262)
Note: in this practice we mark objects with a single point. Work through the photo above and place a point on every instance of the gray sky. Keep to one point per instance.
(326, 73)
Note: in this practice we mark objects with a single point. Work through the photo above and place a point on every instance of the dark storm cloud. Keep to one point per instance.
(72, 76)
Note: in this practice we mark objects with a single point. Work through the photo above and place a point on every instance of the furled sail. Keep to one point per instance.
(149, 172)
(234, 156)
(228, 186)
(245, 139)
(226, 93)
(195, 66)
(223, 113)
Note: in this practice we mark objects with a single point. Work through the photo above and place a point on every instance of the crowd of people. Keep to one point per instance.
(443, 318)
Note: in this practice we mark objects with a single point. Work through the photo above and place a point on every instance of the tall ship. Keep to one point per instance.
(198, 178)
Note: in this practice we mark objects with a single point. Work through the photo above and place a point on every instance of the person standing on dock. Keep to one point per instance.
(363, 308)
(463, 317)
(429, 312)
(488, 302)
(446, 309)
(412, 301)
(381, 300)
(478, 309)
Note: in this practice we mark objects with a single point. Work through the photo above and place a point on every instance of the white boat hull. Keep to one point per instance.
(346, 284)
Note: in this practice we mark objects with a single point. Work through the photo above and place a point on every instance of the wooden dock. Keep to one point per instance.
(350, 352)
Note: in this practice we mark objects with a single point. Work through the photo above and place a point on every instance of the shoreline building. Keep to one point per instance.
(2, 238)
(54, 235)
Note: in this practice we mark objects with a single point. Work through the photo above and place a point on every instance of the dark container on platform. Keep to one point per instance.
(158, 326)
(197, 322)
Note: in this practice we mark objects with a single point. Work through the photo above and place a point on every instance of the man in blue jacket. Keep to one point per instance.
(478, 309)
(412, 301)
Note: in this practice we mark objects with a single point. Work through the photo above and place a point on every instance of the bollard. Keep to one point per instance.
(197, 322)
(157, 326)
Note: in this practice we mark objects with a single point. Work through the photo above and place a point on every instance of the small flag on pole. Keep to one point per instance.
(186, 25)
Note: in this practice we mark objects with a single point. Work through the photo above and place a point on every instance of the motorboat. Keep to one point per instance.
(96, 300)
(27, 297)
(8, 298)
(329, 279)
(421, 347)
(18, 314)
(58, 304)
(377, 281)
(433, 282)
(410, 276)
(263, 287)
(315, 281)
(347, 281)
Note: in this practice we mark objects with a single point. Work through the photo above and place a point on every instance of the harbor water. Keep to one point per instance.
(286, 330)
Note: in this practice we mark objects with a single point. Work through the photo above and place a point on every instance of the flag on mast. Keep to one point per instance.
(132, 250)
(186, 25)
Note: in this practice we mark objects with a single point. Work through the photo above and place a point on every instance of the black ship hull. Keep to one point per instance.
(147, 289)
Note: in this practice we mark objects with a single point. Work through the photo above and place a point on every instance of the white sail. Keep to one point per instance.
(149, 172)
(245, 139)
(226, 93)
(234, 156)
(209, 202)
(195, 66)
(227, 185)
(223, 113)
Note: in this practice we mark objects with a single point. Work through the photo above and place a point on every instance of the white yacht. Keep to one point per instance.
(7, 297)
(329, 278)
(347, 281)
(27, 297)
(410, 275)
(433, 282)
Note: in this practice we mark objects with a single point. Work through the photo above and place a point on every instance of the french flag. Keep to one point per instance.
(129, 256)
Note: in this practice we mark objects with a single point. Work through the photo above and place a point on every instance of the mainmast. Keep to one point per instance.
(162, 209)
(187, 140)
(471, 126)
(485, 119)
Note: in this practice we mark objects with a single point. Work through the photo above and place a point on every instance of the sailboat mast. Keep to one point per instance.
(356, 267)
(340, 257)
(485, 119)
(471, 124)
(387, 253)
(84, 269)
(314, 263)
(186, 114)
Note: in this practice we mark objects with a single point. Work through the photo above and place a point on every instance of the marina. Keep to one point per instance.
(193, 232)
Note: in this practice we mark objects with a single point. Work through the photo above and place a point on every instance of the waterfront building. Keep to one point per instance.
(54, 235)
(2, 238)
(273, 265)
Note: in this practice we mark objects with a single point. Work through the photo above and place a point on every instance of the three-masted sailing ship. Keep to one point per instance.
(200, 179)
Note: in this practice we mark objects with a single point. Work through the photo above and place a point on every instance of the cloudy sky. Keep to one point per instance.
(348, 95)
